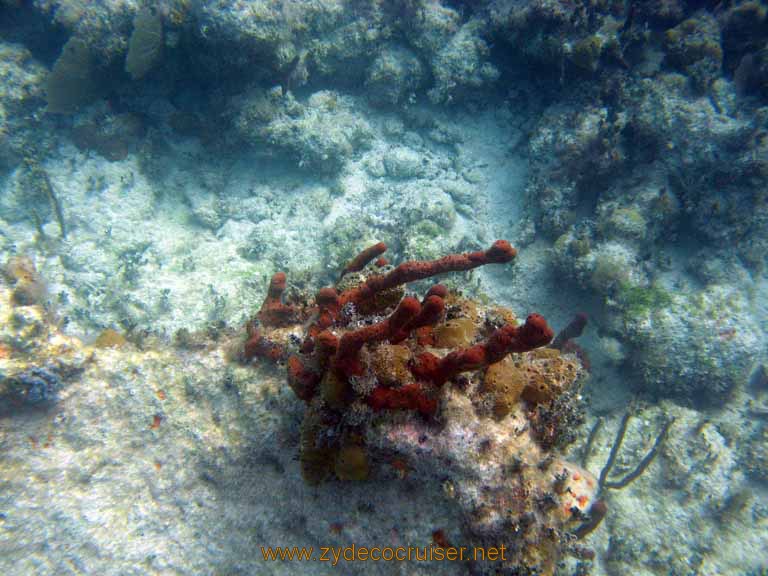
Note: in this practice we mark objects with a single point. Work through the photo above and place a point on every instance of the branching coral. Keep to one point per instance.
(440, 383)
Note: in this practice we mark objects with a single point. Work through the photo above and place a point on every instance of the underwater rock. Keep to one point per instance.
(586, 53)
(321, 134)
(403, 163)
(697, 347)
(624, 222)
(751, 75)
(754, 458)
(104, 27)
(270, 34)
(527, 28)
(346, 53)
(429, 26)
(694, 47)
(698, 460)
(208, 209)
(36, 360)
(604, 267)
(662, 12)
(570, 151)
(20, 96)
(676, 168)
(718, 188)
(462, 68)
(743, 31)
(394, 75)
(33, 387)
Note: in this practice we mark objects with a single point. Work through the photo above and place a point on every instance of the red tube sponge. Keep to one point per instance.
(273, 312)
(431, 310)
(533, 334)
(257, 346)
(361, 260)
(437, 290)
(347, 358)
(302, 380)
(327, 300)
(326, 346)
(500, 252)
(573, 330)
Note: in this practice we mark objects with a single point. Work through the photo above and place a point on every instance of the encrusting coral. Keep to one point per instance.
(456, 392)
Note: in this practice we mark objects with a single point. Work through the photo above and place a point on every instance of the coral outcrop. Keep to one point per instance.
(645, 162)
(321, 134)
(457, 393)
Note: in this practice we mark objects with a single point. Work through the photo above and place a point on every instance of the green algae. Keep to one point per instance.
(640, 300)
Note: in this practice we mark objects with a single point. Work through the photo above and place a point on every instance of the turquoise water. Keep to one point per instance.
(170, 403)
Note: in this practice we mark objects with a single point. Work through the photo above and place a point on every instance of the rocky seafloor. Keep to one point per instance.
(159, 163)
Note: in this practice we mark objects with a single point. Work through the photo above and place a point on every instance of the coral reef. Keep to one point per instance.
(200, 453)
(381, 379)
(157, 192)
(693, 461)
(645, 162)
